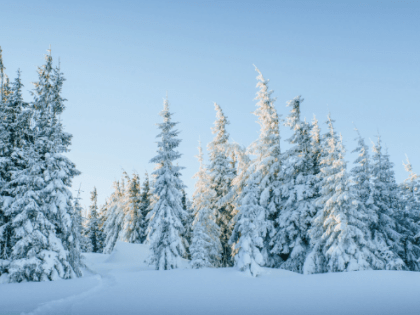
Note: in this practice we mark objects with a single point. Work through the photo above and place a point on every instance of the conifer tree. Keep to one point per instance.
(114, 222)
(41, 210)
(264, 172)
(408, 215)
(145, 207)
(250, 231)
(206, 248)
(102, 219)
(385, 201)
(134, 219)
(15, 135)
(79, 225)
(361, 175)
(94, 223)
(165, 227)
(77, 234)
(299, 193)
(410, 189)
(221, 177)
(187, 222)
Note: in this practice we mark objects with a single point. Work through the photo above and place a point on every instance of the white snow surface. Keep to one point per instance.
(122, 283)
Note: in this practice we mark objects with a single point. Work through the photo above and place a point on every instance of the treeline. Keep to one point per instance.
(299, 210)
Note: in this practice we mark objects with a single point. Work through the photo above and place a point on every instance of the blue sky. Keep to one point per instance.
(358, 59)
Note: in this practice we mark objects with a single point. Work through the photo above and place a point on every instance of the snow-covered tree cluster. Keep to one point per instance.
(299, 210)
(40, 226)
(123, 216)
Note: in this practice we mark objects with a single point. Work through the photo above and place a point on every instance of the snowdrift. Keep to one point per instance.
(122, 283)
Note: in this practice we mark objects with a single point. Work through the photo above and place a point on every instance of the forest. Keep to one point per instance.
(301, 209)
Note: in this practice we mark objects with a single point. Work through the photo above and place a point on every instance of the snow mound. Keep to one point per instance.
(126, 256)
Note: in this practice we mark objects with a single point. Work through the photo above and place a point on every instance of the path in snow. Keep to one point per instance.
(125, 285)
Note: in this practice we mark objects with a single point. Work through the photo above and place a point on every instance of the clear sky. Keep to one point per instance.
(358, 59)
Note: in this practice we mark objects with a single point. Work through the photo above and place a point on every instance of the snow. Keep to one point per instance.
(122, 283)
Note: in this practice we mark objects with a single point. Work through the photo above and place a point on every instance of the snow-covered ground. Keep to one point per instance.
(121, 283)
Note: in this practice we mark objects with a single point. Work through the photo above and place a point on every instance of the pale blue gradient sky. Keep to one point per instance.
(358, 59)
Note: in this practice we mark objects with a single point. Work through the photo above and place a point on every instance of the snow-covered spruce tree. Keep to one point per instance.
(15, 134)
(410, 190)
(299, 193)
(221, 177)
(94, 232)
(165, 227)
(206, 248)
(187, 222)
(77, 232)
(386, 201)
(361, 175)
(42, 209)
(340, 232)
(102, 219)
(264, 172)
(145, 202)
(134, 219)
(408, 215)
(250, 231)
(79, 225)
(114, 222)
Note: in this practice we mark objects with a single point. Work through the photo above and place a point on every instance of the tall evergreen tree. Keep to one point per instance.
(206, 247)
(145, 207)
(299, 192)
(15, 137)
(165, 227)
(264, 173)
(221, 177)
(385, 200)
(41, 209)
